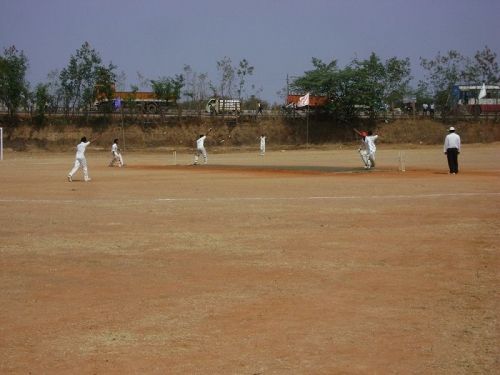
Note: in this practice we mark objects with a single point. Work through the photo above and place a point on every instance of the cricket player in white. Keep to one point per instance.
(371, 148)
(80, 161)
(200, 148)
(116, 154)
(363, 151)
(262, 145)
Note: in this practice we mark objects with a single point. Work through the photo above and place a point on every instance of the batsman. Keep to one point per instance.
(363, 149)
(368, 148)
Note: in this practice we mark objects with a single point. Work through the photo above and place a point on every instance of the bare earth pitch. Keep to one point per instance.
(298, 262)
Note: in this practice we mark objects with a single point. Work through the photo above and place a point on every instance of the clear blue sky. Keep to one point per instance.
(277, 37)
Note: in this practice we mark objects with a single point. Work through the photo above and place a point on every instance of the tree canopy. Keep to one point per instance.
(13, 85)
(369, 84)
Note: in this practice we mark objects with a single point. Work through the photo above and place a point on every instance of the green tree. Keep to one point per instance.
(13, 85)
(79, 78)
(397, 80)
(339, 85)
(322, 80)
(42, 101)
(104, 86)
(168, 88)
(349, 93)
(368, 84)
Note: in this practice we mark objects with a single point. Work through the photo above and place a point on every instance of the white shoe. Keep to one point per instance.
(70, 179)
(88, 179)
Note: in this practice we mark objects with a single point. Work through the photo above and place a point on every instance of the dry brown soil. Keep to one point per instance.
(298, 262)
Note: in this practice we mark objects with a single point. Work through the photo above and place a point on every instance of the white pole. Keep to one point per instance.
(307, 127)
(1, 143)
(402, 161)
(175, 157)
(123, 130)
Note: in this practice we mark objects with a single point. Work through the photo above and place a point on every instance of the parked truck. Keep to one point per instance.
(223, 106)
(315, 101)
(143, 101)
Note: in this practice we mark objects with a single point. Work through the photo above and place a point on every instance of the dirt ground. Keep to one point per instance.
(298, 262)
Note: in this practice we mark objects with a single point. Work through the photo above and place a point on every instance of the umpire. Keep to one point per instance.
(452, 149)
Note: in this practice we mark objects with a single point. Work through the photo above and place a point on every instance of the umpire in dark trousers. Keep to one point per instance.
(452, 149)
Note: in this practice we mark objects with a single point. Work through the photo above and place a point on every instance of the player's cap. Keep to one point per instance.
(364, 134)
(451, 129)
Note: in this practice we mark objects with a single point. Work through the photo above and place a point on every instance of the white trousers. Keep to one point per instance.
(80, 162)
(365, 158)
(371, 157)
(117, 158)
(200, 152)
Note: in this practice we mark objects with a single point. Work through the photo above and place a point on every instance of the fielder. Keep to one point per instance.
(262, 145)
(200, 148)
(80, 161)
(116, 155)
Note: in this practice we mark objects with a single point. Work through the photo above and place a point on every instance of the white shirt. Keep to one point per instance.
(80, 150)
(200, 142)
(452, 140)
(370, 143)
(114, 148)
(363, 145)
(262, 141)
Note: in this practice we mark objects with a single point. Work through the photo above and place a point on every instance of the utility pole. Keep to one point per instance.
(287, 90)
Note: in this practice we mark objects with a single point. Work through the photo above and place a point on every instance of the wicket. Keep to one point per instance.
(401, 159)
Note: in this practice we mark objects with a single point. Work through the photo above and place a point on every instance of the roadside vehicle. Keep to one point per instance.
(218, 106)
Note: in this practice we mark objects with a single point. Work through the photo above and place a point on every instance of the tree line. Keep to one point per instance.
(375, 85)
(372, 84)
(75, 88)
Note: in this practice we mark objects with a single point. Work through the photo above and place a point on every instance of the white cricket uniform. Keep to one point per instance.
(371, 148)
(80, 161)
(363, 152)
(117, 156)
(262, 145)
(200, 150)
